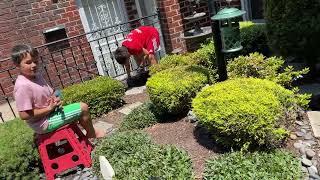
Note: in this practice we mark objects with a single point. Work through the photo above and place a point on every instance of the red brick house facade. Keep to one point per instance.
(38, 22)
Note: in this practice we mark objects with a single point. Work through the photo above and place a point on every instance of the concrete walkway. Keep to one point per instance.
(6, 111)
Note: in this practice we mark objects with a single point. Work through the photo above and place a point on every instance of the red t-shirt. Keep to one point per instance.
(146, 37)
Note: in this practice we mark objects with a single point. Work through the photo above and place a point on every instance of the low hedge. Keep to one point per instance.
(258, 165)
(133, 156)
(19, 157)
(245, 111)
(253, 38)
(171, 61)
(258, 66)
(171, 90)
(140, 117)
(102, 94)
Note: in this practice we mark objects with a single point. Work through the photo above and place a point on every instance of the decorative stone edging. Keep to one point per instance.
(306, 145)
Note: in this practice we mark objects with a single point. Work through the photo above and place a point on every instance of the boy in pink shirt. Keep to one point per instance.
(36, 102)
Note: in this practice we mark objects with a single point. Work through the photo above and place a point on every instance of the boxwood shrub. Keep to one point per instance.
(258, 66)
(19, 157)
(171, 61)
(102, 94)
(253, 38)
(258, 165)
(140, 117)
(205, 56)
(133, 156)
(245, 111)
(171, 90)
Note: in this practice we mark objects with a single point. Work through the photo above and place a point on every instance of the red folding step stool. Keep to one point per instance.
(64, 149)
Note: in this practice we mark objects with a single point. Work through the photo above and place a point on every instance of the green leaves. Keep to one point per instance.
(244, 111)
(19, 157)
(171, 90)
(258, 165)
(258, 66)
(102, 94)
(141, 117)
(133, 156)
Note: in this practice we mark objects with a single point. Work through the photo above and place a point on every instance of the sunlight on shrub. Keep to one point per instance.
(19, 157)
(133, 156)
(245, 111)
(258, 165)
(171, 90)
(102, 94)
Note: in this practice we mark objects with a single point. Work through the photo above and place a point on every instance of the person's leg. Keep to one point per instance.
(86, 123)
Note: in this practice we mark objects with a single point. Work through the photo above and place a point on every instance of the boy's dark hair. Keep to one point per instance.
(121, 54)
(20, 51)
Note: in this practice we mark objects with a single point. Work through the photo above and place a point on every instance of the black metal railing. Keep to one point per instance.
(74, 60)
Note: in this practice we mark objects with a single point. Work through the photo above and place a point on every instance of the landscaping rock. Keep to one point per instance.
(300, 134)
(304, 169)
(192, 117)
(300, 123)
(306, 162)
(311, 142)
(305, 127)
(308, 136)
(314, 162)
(298, 145)
(293, 136)
(304, 131)
(312, 170)
(302, 151)
(314, 176)
(135, 90)
(310, 153)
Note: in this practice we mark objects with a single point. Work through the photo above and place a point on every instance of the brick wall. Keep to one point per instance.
(171, 24)
(23, 21)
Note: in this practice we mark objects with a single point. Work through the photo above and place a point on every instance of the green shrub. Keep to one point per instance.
(258, 66)
(133, 156)
(253, 38)
(171, 61)
(19, 157)
(245, 111)
(205, 56)
(102, 94)
(293, 28)
(258, 165)
(139, 118)
(171, 90)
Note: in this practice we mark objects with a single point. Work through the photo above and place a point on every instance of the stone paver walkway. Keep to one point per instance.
(314, 117)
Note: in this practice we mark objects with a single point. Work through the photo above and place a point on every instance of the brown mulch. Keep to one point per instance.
(186, 135)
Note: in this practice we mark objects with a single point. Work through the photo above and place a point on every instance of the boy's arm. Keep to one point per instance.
(35, 113)
(150, 57)
(40, 113)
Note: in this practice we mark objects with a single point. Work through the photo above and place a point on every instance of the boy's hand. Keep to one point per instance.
(54, 103)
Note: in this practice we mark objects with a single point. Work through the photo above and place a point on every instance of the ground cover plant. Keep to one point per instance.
(102, 94)
(246, 112)
(140, 117)
(171, 90)
(258, 66)
(134, 156)
(19, 157)
(257, 165)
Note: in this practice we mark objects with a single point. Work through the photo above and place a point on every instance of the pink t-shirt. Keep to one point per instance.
(33, 94)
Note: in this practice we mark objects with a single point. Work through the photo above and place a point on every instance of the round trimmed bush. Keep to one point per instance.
(171, 90)
(19, 157)
(140, 117)
(102, 94)
(133, 156)
(257, 165)
(244, 111)
(171, 61)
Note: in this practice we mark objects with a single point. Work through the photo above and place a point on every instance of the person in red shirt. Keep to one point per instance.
(142, 43)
